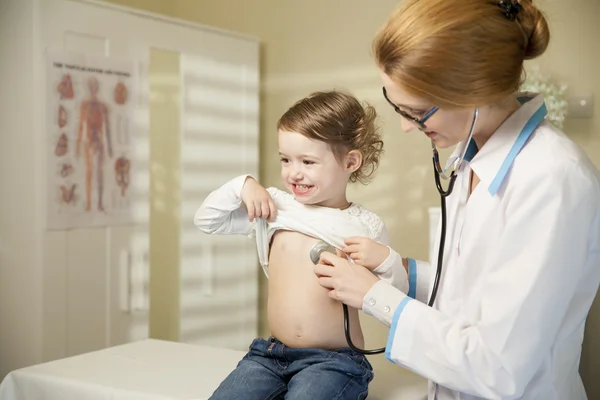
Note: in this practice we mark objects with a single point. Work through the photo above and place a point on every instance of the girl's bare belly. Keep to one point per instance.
(300, 312)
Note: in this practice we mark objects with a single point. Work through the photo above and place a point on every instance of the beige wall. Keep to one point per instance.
(165, 202)
(314, 44)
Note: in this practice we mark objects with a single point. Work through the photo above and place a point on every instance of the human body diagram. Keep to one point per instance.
(93, 127)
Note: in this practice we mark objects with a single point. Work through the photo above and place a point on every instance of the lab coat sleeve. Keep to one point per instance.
(391, 270)
(419, 273)
(534, 274)
(222, 211)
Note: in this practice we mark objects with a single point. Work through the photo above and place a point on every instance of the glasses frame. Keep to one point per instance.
(418, 122)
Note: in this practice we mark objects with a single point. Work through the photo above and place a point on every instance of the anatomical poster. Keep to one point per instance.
(91, 104)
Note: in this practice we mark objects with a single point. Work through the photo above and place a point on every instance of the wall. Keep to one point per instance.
(310, 44)
(165, 145)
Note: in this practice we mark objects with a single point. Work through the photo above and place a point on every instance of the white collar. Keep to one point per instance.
(488, 160)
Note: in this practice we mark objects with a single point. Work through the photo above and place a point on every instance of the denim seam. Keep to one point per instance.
(340, 393)
(362, 364)
(276, 392)
(281, 356)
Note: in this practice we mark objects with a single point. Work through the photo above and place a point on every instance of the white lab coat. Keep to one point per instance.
(520, 272)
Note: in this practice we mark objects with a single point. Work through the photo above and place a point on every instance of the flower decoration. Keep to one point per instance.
(554, 94)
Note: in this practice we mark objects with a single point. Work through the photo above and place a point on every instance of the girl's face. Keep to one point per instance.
(445, 127)
(310, 170)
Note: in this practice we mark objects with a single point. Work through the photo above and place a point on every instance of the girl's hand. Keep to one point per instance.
(258, 201)
(366, 252)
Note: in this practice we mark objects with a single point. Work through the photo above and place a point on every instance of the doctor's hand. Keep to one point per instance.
(257, 200)
(347, 282)
(366, 252)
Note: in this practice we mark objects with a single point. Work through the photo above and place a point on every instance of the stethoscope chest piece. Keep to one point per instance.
(317, 249)
(315, 256)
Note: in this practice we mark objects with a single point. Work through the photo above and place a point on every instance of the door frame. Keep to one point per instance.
(164, 18)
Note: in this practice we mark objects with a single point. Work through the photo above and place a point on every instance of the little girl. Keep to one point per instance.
(325, 141)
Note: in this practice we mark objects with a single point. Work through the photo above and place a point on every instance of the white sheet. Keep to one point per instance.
(156, 370)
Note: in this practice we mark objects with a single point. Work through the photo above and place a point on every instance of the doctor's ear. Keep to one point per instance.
(353, 161)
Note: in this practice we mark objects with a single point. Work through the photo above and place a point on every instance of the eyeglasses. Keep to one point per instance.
(418, 122)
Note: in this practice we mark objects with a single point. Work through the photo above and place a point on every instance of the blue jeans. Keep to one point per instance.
(271, 370)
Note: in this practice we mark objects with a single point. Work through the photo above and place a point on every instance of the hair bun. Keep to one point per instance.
(536, 28)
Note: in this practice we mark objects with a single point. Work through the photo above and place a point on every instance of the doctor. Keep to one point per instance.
(521, 263)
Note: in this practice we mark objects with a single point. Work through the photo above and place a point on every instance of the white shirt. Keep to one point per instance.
(520, 272)
(222, 213)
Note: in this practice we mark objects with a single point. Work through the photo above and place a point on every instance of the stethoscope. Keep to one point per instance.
(321, 246)
(437, 173)
(315, 256)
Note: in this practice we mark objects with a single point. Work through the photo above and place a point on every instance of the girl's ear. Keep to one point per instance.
(353, 161)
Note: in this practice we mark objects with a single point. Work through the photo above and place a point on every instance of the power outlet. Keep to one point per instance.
(580, 106)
